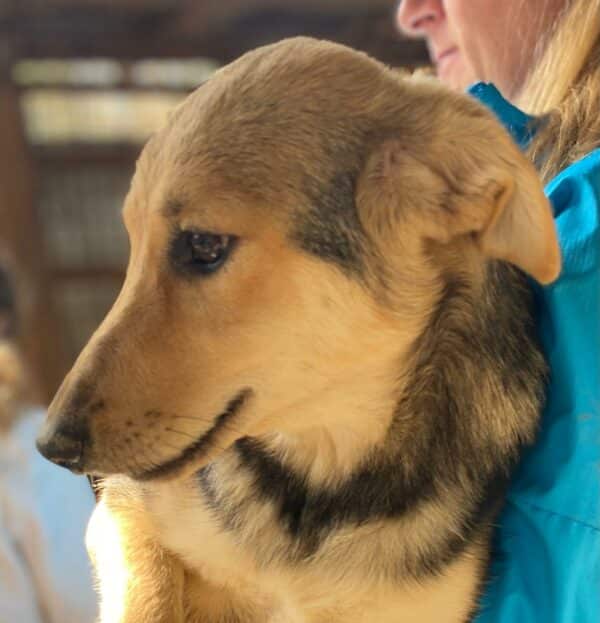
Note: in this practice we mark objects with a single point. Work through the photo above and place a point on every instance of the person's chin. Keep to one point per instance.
(452, 71)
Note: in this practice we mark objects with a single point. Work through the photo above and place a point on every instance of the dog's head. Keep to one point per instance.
(291, 229)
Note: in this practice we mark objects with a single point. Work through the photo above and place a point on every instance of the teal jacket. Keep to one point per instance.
(546, 561)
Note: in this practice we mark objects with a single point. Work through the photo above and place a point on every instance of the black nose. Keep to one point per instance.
(64, 445)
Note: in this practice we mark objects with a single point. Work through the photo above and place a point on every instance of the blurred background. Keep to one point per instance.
(83, 83)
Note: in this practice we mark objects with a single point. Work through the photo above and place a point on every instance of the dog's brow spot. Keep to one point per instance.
(152, 414)
(172, 208)
(129, 423)
(136, 435)
(97, 406)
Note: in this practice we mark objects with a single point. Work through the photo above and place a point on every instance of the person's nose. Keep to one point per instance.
(416, 18)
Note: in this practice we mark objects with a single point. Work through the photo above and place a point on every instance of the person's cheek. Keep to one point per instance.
(467, 24)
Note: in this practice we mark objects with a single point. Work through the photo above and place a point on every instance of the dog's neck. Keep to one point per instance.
(346, 422)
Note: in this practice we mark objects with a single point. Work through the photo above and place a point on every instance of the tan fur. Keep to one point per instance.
(139, 581)
(444, 190)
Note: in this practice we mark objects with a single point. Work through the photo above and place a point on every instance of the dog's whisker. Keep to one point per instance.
(180, 432)
(188, 417)
(233, 428)
(169, 445)
(224, 424)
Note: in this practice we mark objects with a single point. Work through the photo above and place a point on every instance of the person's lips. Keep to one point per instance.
(445, 55)
(444, 60)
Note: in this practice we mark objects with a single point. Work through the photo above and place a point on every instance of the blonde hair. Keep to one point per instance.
(564, 87)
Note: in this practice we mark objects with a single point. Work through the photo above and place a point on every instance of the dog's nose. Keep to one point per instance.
(64, 445)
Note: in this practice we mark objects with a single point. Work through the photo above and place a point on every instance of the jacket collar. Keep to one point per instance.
(520, 125)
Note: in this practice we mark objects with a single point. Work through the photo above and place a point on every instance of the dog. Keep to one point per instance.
(310, 393)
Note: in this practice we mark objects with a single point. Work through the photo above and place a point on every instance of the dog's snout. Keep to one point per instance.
(65, 437)
(64, 445)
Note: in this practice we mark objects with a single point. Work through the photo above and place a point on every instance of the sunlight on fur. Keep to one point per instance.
(103, 538)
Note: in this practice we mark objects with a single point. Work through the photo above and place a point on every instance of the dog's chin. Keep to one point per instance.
(208, 445)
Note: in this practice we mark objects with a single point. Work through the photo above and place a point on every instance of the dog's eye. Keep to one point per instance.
(201, 252)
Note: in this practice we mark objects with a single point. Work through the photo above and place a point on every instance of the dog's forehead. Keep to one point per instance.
(289, 94)
(300, 104)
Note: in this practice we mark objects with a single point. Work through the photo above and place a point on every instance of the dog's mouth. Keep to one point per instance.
(194, 450)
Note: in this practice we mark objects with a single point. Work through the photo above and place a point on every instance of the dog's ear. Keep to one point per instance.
(488, 192)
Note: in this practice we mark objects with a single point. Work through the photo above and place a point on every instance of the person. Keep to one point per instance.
(544, 57)
(45, 576)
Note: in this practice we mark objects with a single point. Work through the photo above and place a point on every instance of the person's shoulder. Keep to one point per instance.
(585, 171)
(575, 197)
(577, 188)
